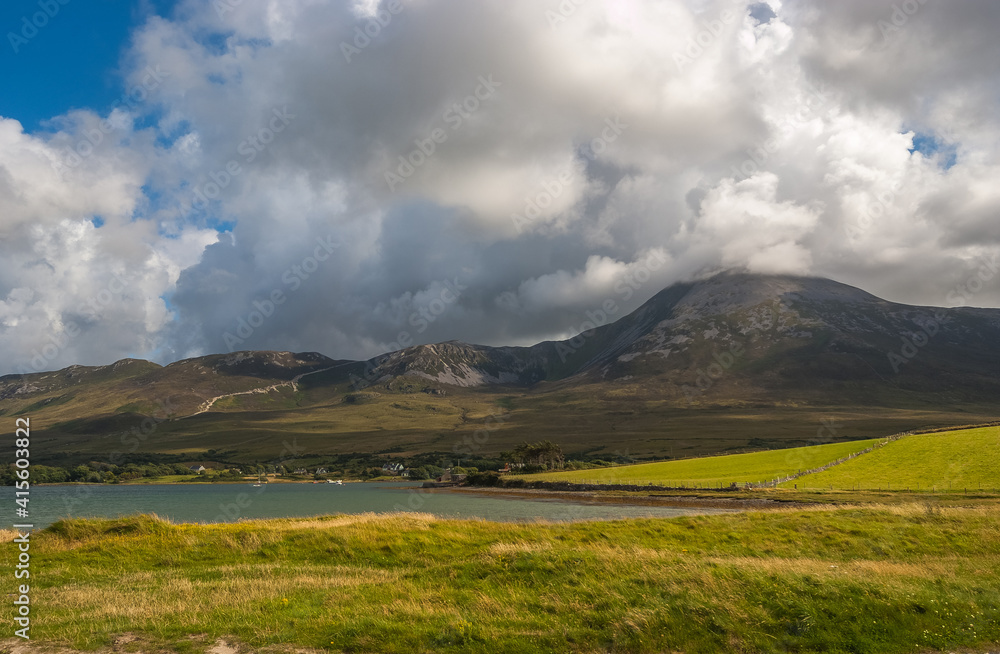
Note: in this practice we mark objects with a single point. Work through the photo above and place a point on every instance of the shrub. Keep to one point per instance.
(419, 474)
(489, 479)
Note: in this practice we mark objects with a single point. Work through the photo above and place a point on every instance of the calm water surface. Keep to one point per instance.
(228, 502)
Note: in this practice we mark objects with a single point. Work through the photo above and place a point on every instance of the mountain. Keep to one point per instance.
(763, 334)
(731, 361)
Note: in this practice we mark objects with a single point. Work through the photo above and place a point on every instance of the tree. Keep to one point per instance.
(80, 473)
(545, 454)
(419, 473)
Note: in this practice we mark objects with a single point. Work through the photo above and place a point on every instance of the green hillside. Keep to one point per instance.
(712, 471)
(139, 409)
(727, 364)
(968, 458)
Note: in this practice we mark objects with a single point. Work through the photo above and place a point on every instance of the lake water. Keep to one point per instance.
(229, 502)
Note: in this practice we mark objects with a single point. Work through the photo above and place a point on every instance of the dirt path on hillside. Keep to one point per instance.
(294, 383)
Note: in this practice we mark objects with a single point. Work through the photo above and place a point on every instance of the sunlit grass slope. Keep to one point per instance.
(969, 458)
(887, 580)
(712, 471)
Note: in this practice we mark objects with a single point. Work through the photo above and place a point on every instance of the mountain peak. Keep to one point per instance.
(734, 290)
(780, 326)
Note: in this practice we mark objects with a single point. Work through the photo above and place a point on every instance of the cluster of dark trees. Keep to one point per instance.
(93, 472)
(421, 466)
(533, 457)
(544, 454)
(352, 466)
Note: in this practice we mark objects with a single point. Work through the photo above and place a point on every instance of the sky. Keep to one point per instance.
(355, 176)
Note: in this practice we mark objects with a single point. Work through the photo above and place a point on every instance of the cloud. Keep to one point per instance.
(756, 230)
(543, 151)
(71, 291)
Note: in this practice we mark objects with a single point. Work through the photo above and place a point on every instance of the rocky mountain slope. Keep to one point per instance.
(780, 333)
(735, 353)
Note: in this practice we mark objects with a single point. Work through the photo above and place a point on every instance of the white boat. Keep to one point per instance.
(339, 482)
(259, 483)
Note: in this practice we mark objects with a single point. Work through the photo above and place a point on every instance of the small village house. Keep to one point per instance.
(393, 468)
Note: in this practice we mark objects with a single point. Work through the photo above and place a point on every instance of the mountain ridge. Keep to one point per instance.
(706, 353)
(698, 300)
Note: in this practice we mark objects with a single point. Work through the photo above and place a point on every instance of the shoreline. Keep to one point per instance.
(220, 482)
(598, 497)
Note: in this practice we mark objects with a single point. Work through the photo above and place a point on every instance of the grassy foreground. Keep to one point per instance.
(877, 579)
(715, 470)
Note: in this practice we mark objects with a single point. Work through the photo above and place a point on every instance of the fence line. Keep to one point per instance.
(596, 485)
(801, 473)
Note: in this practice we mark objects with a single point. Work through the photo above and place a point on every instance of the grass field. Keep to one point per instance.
(716, 470)
(965, 459)
(878, 579)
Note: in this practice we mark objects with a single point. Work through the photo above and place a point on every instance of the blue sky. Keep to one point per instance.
(72, 61)
(929, 145)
